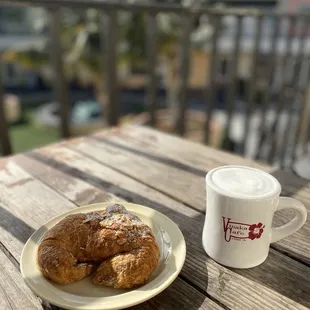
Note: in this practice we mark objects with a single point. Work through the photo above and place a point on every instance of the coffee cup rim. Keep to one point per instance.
(275, 193)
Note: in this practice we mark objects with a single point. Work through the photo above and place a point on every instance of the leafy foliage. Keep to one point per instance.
(81, 43)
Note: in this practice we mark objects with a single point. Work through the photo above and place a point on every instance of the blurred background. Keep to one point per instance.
(231, 74)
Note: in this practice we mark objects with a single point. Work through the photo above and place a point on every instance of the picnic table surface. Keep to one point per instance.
(164, 172)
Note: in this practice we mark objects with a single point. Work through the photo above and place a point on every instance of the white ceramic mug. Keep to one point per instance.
(241, 202)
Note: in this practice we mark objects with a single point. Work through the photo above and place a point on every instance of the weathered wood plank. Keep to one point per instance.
(161, 176)
(73, 168)
(22, 197)
(124, 154)
(239, 290)
(76, 190)
(18, 220)
(180, 295)
(166, 146)
(14, 293)
(173, 151)
(191, 156)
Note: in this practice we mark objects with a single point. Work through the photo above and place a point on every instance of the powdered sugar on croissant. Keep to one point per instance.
(117, 241)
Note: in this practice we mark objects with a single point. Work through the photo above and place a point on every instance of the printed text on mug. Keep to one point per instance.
(241, 231)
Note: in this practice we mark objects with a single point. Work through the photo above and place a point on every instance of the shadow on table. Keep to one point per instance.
(15, 226)
(160, 159)
(282, 275)
(179, 295)
(303, 259)
(290, 182)
(125, 194)
(22, 232)
(279, 273)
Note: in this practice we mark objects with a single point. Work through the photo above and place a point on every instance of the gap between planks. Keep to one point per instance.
(203, 292)
(134, 178)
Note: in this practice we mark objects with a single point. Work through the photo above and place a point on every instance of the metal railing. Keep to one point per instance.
(268, 133)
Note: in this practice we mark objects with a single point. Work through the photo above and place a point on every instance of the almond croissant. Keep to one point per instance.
(117, 241)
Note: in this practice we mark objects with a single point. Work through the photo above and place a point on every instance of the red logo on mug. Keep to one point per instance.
(241, 231)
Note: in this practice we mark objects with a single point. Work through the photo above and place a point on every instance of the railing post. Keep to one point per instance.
(151, 47)
(211, 91)
(5, 144)
(302, 136)
(233, 74)
(271, 69)
(109, 39)
(287, 80)
(187, 23)
(297, 92)
(252, 81)
(59, 78)
(303, 88)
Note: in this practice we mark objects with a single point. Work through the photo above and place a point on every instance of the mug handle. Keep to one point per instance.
(295, 224)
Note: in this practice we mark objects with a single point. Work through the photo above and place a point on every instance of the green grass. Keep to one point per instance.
(27, 135)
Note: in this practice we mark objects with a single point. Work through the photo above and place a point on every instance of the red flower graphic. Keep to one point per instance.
(256, 230)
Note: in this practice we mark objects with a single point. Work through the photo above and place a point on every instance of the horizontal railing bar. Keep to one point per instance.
(150, 8)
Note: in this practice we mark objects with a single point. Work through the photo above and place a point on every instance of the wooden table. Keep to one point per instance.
(166, 173)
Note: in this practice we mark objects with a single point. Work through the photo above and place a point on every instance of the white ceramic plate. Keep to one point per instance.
(88, 296)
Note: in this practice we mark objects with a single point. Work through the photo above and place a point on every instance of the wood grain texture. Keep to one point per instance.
(76, 189)
(180, 295)
(25, 204)
(167, 178)
(173, 150)
(156, 163)
(238, 290)
(14, 293)
(19, 219)
(196, 156)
